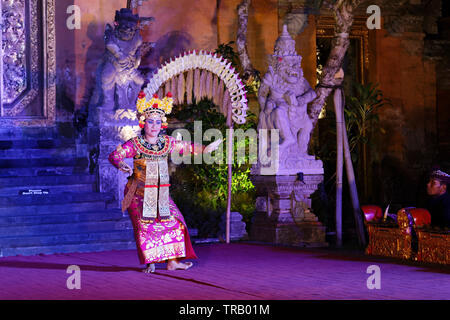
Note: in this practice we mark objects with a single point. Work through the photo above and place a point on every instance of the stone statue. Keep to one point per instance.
(284, 95)
(111, 112)
(284, 184)
(120, 79)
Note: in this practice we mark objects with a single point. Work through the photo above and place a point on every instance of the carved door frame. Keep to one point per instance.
(42, 68)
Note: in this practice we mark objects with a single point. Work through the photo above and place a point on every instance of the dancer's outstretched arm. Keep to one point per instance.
(126, 150)
(188, 147)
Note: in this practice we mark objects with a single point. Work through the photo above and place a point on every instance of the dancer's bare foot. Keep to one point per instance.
(175, 265)
(150, 268)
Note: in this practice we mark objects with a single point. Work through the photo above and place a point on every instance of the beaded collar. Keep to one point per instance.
(152, 150)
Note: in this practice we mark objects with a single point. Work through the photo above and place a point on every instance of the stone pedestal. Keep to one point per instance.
(114, 128)
(283, 211)
(237, 227)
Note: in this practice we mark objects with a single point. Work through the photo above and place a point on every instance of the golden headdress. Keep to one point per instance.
(145, 108)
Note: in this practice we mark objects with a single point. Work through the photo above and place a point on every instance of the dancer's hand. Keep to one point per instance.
(212, 146)
(124, 167)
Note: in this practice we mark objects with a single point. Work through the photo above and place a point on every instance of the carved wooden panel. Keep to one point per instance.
(388, 242)
(434, 247)
(27, 62)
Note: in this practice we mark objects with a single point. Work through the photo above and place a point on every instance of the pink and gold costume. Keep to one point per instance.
(159, 227)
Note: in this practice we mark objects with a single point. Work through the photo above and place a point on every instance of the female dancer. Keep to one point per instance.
(159, 228)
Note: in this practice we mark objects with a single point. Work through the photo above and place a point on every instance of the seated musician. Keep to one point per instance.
(439, 203)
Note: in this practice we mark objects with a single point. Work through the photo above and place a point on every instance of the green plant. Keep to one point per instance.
(361, 113)
(252, 81)
(208, 183)
(226, 50)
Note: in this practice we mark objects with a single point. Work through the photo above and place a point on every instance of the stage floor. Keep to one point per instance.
(240, 271)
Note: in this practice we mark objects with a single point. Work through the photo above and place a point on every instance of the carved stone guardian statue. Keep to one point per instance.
(118, 82)
(283, 211)
(284, 96)
(119, 75)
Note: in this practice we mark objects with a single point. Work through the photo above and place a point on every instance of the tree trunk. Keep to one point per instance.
(343, 15)
(352, 184)
(241, 39)
(364, 163)
(339, 165)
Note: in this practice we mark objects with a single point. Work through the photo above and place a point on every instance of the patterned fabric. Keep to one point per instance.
(163, 197)
(165, 236)
(150, 206)
(160, 240)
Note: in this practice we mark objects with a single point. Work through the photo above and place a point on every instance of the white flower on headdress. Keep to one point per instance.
(142, 118)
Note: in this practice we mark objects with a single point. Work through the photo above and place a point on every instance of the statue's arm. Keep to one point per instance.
(309, 94)
(136, 48)
(137, 56)
(138, 43)
(115, 50)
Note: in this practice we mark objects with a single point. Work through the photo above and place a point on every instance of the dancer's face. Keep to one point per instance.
(153, 126)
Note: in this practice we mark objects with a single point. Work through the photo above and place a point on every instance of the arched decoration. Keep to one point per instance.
(207, 75)
(211, 76)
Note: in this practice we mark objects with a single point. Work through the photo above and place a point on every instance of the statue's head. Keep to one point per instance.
(285, 61)
(126, 23)
(288, 68)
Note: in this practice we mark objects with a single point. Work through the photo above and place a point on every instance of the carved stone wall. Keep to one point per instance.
(114, 128)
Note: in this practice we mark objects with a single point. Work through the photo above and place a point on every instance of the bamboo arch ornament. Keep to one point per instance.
(171, 75)
(203, 74)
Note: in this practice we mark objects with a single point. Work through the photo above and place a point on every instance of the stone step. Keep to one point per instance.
(68, 238)
(52, 208)
(11, 186)
(37, 133)
(66, 248)
(51, 199)
(49, 180)
(63, 217)
(23, 133)
(36, 144)
(65, 228)
(12, 191)
(40, 171)
(38, 153)
(60, 161)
